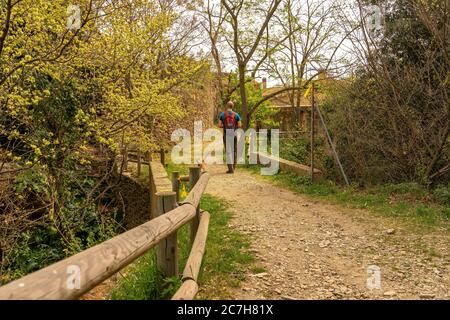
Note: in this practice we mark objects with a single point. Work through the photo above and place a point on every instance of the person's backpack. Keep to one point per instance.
(230, 121)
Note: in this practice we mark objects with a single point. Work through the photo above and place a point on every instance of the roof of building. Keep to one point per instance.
(283, 99)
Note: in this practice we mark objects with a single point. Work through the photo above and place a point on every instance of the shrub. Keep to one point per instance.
(442, 194)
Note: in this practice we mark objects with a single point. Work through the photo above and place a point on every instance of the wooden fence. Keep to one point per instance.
(286, 165)
(140, 158)
(77, 275)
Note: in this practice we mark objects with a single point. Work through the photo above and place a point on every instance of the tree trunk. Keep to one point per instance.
(243, 93)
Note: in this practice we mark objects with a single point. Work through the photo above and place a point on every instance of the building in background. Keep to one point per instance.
(294, 109)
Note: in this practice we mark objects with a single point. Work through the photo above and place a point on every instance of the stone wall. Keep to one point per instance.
(135, 199)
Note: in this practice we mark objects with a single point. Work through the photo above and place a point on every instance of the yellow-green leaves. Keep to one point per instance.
(126, 76)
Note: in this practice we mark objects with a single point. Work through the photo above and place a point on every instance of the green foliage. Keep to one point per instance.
(299, 150)
(407, 188)
(390, 120)
(264, 113)
(442, 194)
(35, 249)
(31, 180)
(55, 140)
(77, 227)
(68, 100)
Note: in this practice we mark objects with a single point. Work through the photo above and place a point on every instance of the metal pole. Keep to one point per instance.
(313, 128)
(336, 156)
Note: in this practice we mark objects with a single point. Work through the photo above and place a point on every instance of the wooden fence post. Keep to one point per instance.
(148, 157)
(176, 184)
(162, 153)
(152, 191)
(194, 176)
(258, 125)
(139, 163)
(167, 250)
(125, 159)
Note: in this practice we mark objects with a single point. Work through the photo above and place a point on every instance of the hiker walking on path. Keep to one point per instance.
(230, 121)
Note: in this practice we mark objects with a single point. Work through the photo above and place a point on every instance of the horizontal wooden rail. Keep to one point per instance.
(286, 165)
(73, 277)
(189, 288)
(159, 179)
(187, 291)
(136, 156)
(136, 161)
(196, 193)
(194, 261)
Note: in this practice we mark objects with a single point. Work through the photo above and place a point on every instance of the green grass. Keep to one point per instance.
(143, 281)
(258, 270)
(183, 170)
(410, 201)
(227, 251)
(224, 264)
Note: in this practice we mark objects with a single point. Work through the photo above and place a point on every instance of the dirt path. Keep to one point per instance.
(313, 250)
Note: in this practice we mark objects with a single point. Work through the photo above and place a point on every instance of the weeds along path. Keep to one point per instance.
(306, 249)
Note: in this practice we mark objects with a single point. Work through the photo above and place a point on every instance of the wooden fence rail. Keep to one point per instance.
(286, 165)
(77, 275)
(140, 158)
(189, 289)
